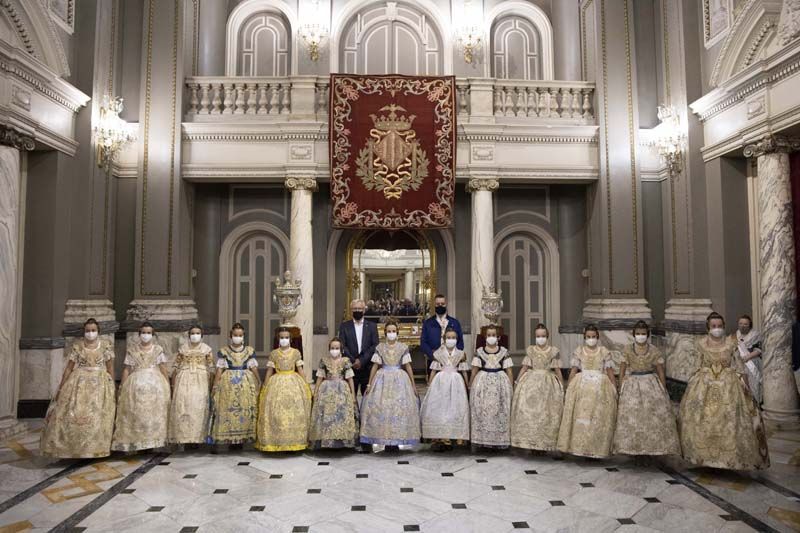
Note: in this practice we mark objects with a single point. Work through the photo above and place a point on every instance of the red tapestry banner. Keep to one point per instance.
(392, 151)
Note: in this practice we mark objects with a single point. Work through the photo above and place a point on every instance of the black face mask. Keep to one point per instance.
(358, 315)
(441, 310)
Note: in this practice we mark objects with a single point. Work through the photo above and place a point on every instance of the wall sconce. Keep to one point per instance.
(670, 139)
(469, 37)
(111, 132)
(313, 34)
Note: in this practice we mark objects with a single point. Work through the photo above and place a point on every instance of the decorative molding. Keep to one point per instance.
(756, 106)
(301, 184)
(789, 28)
(37, 32)
(483, 184)
(14, 139)
(482, 153)
(708, 39)
(65, 19)
(757, 42)
(301, 152)
(770, 144)
(21, 97)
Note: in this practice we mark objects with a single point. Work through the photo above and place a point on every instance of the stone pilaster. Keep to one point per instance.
(301, 260)
(11, 208)
(778, 284)
(482, 251)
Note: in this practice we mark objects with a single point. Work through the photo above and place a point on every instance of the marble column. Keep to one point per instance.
(409, 284)
(301, 260)
(362, 284)
(11, 185)
(566, 33)
(482, 252)
(778, 285)
(212, 20)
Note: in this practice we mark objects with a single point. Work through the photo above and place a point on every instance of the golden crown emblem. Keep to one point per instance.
(392, 122)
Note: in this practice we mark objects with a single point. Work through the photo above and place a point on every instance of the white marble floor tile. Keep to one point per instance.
(606, 502)
(670, 518)
(466, 521)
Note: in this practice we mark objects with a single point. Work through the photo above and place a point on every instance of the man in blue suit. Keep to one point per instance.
(434, 327)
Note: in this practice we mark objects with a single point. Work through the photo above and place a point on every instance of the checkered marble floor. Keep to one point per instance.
(410, 490)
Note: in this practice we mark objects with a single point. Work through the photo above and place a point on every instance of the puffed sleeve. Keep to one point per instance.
(436, 365)
(555, 362)
(608, 360)
(253, 363)
(209, 360)
(321, 371)
(477, 361)
(270, 362)
(623, 356)
(73, 353)
(406, 359)
(161, 358)
(527, 361)
(576, 359)
(376, 358)
(108, 354)
(659, 357)
(299, 363)
(348, 370)
(508, 362)
(221, 361)
(129, 360)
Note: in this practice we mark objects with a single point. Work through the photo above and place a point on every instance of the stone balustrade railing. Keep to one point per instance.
(485, 99)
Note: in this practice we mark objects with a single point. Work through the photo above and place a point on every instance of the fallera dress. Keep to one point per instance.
(143, 408)
(333, 415)
(538, 401)
(390, 410)
(490, 400)
(645, 418)
(590, 406)
(234, 411)
(189, 409)
(720, 423)
(445, 409)
(80, 422)
(284, 405)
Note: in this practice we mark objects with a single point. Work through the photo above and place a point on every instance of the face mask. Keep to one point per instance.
(146, 337)
(237, 340)
(284, 342)
(335, 352)
(195, 337)
(90, 335)
(592, 342)
(491, 341)
(541, 341)
(450, 343)
(392, 336)
(441, 310)
(744, 330)
(641, 339)
(358, 315)
(717, 332)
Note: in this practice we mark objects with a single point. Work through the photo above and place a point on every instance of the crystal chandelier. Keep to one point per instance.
(469, 37)
(313, 32)
(670, 139)
(111, 132)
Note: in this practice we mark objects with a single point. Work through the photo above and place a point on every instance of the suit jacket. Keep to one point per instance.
(431, 338)
(369, 341)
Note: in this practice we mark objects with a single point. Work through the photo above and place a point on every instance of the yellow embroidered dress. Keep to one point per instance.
(720, 424)
(81, 421)
(645, 419)
(590, 406)
(538, 401)
(188, 411)
(143, 408)
(234, 410)
(284, 405)
(333, 416)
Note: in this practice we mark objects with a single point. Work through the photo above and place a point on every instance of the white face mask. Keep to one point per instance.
(146, 337)
(391, 336)
(718, 332)
(450, 343)
(237, 341)
(90, 335)
(641, 339)
(541, 341)
(591, 342)
(195, 337)
(335, 352)
(491, 341)
(284, 342)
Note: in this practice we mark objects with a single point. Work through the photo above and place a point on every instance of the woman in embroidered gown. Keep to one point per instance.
(490, 395)
(445, 409)
(285, 400)
(80, 420)
(748, 342)
(590, 406)
(333, 415)
(720, 424)
(538, 396)
(390, 409)
(191, 385)
(234, 405)
(144, 396)
(645, 419)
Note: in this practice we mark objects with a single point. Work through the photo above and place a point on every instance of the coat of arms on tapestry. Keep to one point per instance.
(392, 151)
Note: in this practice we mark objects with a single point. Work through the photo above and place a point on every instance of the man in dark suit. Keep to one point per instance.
(434, 327)
(359, 339)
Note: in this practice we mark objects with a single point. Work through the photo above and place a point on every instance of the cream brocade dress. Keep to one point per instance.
(445, 409)
(188, 411)
(490, 400)
(590, 406)
(538, 401)
(720, 424)
(333, 415)
(284, 405)
(645, 419)
(143, 409)
(80, 423)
